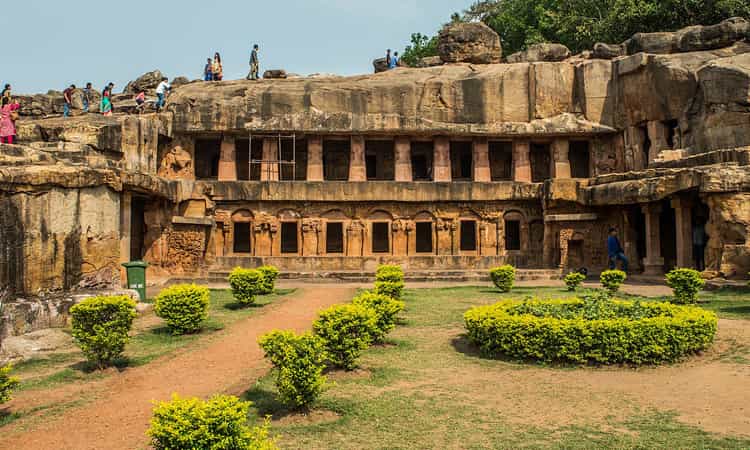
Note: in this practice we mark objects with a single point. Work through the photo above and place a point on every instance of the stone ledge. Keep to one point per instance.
(204, 221)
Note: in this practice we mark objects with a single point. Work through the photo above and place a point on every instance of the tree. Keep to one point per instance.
(421, 46)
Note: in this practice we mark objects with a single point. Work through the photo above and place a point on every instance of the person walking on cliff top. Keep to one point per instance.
(217, 70)
(615, 251)
(107, 106)
(68, 98)
(388, 58)
(161, 92)
(393, 61)
(254, 63)
(8, 117)
(6, 93)
(208, 70)
(87, 97)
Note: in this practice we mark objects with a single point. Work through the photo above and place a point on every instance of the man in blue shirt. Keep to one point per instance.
(393, 63)
(615, 251)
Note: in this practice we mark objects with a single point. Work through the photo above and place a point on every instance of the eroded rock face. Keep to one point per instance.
(469, 42)
(145, 83)
(541, 53)
(711, 37)
(608, 51)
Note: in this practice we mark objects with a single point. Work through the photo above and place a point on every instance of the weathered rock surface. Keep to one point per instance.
(430, 61)
(546, 52)
(380, 65)
(469, 42)
(711, 37)
(608, 51)
(278, 74)
(146, 83)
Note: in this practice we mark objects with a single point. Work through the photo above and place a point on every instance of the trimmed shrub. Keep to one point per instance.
(573, 280)
(503, 277)
(101, 325)
(393, 289)
(612, 280)
(270, 274)
(299, 362)
(246, 284)
(386, 309)
(219, 423)
(7, 383)
(346, 330)
(595, 330)
(685, 284)
(389, 272)
(183, 306)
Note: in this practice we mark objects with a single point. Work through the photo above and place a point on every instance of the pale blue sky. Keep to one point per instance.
(48, 44)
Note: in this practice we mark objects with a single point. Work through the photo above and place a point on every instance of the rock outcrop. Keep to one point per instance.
(145, 83)
(472, 42)
(541, 53)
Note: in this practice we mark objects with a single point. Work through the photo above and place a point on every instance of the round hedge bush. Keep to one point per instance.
(183, 306)
(685, 283)
(386, 309)
(503, 277)
(246, 284)
(101, 326)
(268, 284)
(590, 330)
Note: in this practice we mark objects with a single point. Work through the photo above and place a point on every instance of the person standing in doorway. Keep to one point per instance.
(8, 116)
(394, 61)
(615, 251)
(68, 98)
(699, 246)
(254, 63)
(208, 70)
(87, 91)
(161, 93)
(217, 70)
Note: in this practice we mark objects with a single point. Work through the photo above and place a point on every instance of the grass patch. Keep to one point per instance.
(427, 388)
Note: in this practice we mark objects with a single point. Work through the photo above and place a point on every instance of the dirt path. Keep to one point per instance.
(119, 416)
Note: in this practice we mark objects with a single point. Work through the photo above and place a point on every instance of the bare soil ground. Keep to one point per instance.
(118, 416)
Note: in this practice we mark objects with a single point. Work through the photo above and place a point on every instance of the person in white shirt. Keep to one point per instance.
(161, 92)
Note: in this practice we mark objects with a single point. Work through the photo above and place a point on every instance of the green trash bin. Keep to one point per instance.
(137, 277)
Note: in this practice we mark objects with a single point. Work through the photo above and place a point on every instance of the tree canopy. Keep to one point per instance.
(579, 24)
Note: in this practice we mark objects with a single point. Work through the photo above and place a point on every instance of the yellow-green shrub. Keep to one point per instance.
(101, 326)
(270, 274)
(219, 423)
(564, 330)
(183, 307)
(573, 280)
(299, 362)
(612, 280)
(503, 277)
(386, 309)
(7, 383)
(246, 284)
(685, 284)
(389, 272)
(393, 289)
(346, 330)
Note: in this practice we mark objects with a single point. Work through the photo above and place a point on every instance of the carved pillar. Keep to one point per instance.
(565, 236)
(442, 160)
(684, 226)
(654, 263)
(125, 229)
(521, 162)
(357, 168)
(355, 238)
(402, 156)
(228, 160)
(548, 252)
(481, 161)
(269, 168)
(315, 158)
(311, 229)
(444, 242)
(400, 243)
(560, 162)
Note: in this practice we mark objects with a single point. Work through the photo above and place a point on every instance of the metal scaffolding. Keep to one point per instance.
(279, 162)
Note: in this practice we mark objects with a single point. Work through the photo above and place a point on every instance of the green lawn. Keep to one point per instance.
(428, 388)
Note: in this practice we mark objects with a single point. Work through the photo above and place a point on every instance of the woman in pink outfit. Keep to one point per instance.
(7, 124)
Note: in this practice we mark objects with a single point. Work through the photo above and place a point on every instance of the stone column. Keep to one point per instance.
(521, 162)
(548, 252)
(684, 226)
(481, 161)
(442, 160)
(228, 160)
(269, 171)
(654, 262)
(315, 158)
(402, 157)
(560, 161)
(357, 167)
(125, 227)
(657, 134)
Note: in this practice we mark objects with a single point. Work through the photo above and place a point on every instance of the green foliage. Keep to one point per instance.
(393, 289)
(270, 274)
(101, 326)
(421, 47)
(299, 362)
(219, 423)
(503, 277)
(386, 309)
(7, 383)
(246, 284)
(579, 24)
(388, 272)
(184, 307)
(346, 330)
(573, 280)
(612, 280)
(597, 329)
(685, 283)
